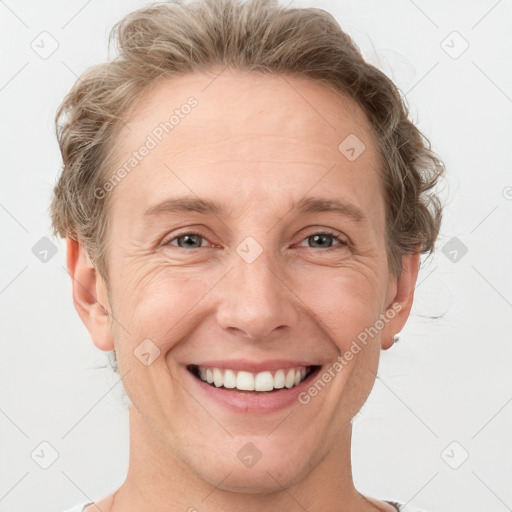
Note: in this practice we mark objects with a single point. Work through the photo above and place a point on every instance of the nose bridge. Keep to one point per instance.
(256, 300)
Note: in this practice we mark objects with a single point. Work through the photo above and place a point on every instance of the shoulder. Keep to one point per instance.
(405, 508)
(78, 508)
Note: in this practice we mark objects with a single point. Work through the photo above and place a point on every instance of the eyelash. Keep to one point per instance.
(335, 235)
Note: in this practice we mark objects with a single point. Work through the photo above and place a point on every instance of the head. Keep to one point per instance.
(239, 184)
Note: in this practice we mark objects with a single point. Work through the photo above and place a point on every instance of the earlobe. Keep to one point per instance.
(401, 304)
(89, 295)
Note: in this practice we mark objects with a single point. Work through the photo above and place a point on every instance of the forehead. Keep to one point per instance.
(280, 105)
(248, 136)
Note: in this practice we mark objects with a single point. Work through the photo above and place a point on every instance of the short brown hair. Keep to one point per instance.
(165, 40)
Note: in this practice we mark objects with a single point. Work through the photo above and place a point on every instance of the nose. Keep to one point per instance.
(255, 299)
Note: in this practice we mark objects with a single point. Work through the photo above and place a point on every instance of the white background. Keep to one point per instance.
(448, 379)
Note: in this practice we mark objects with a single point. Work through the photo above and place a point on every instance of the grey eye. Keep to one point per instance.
(188, 241)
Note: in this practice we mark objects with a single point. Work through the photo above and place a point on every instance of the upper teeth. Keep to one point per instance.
(247, 381)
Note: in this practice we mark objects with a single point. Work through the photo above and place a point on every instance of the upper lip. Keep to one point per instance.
(253, 366)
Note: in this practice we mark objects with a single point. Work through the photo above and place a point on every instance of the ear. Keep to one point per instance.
(402, 294)
(89, 295)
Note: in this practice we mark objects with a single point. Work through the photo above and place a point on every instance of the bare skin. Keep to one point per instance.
(256, 144)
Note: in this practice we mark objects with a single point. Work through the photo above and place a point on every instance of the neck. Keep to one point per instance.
(158, 481)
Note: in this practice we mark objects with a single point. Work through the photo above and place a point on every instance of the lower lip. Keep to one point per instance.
(252, 401)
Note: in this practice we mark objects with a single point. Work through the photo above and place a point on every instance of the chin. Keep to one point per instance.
(271, 468)
(266, 479)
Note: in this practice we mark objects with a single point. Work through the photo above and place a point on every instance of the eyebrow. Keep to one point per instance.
(304, 205)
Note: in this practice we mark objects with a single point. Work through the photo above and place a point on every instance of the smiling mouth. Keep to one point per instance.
(266, 381)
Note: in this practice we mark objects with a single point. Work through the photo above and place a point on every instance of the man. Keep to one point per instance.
(244, 230)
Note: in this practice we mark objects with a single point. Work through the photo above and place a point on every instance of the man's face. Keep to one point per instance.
(255, 287)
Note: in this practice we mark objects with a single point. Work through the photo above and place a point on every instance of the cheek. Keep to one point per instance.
(158, 303)
(360, 380)
(156, 309)
(344, 300)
